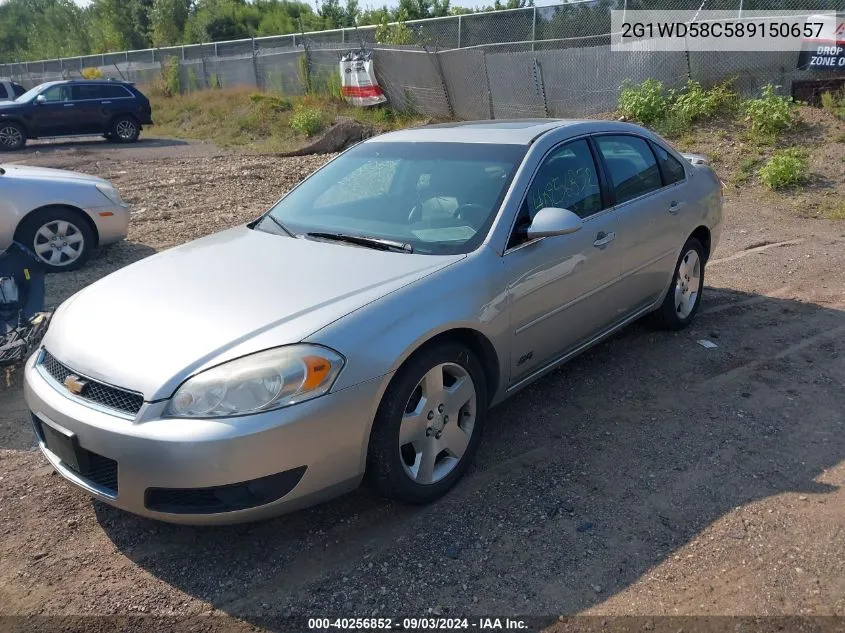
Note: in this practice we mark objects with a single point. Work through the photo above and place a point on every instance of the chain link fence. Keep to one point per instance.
(532, 62)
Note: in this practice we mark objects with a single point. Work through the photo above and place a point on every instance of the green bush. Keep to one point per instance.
(271, 102)
(771, 114)
(695, 102)
(646, 102)
(307, 121)
(785, 168)
(834, 103)
(172, 78)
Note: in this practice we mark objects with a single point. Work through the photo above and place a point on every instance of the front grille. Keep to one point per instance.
(97, 392)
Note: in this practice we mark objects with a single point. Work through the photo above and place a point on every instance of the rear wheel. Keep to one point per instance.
(125, 129)
(12, 136)
(428, 425)
(59, 237)
(684, 295)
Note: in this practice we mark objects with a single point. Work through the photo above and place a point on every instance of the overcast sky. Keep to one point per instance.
(378, 3)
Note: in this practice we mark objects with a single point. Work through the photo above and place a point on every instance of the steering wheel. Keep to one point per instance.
(470, 212)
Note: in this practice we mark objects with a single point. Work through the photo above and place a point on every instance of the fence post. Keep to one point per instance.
(487, 79)
(459, 30)
(533, 28)
(540, 85)
(255, 69)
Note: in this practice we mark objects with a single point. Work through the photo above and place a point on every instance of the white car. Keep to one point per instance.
(61, 216)
(9, 90)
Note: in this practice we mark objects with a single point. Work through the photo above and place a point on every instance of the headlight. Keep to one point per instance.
(111, 193)
(267, 380)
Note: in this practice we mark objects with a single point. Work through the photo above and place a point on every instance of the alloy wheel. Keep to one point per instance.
(438, 423)
(10, 137)
(59, 243)
(689, 280)
(125, 129)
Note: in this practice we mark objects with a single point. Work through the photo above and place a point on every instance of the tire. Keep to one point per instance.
(684, 296)
(38, 229)
(398, 470)
(125, 129)
(12, 136)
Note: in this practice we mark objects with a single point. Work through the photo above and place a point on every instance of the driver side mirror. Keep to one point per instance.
(551, 221)
(40, 99)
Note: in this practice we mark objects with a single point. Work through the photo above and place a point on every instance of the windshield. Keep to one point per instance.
(29, 95)
(440, 198)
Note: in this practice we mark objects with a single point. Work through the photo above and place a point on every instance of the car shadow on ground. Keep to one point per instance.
(583, 483)
(88, 143)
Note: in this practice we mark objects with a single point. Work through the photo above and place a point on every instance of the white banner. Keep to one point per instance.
(358, 80)
(722, 31)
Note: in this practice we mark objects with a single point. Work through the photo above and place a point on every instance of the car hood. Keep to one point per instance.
(25, 172)
(150, 325)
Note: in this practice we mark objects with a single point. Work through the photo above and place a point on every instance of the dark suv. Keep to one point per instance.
(115, 109)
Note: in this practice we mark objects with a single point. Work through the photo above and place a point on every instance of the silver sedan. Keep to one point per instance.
(363, 326)
(61, 216)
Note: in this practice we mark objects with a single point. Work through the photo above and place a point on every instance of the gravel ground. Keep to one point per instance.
(650, 476)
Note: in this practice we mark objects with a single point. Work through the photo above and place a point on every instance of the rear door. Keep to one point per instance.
(647, 207)
(88, 100)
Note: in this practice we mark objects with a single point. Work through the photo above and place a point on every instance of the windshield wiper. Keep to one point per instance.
(369, 242)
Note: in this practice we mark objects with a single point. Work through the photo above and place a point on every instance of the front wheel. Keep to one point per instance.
(428, 425)
(684, 295)
(12, 137)
(59, 237)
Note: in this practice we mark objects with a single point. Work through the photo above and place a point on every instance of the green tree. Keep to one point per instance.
(168, 19)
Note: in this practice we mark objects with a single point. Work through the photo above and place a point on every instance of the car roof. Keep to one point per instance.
(500, 131)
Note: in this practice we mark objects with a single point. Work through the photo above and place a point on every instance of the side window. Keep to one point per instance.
(114, 92)
(83, 92)
(57, 94)
(631, 165)
(3, 93)
(18, 90)
(673, 171)
(567, 179)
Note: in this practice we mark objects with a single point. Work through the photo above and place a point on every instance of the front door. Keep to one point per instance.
(55, 116)
(559, 286)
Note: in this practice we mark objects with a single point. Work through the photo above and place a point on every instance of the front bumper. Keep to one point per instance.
(112, 223)
(318, 447)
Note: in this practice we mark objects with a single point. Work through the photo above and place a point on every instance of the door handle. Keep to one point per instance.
(675, 206)
(603, 239)
(68, 105)
(105, 102)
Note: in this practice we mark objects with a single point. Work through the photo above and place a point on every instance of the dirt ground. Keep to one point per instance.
(650, 476)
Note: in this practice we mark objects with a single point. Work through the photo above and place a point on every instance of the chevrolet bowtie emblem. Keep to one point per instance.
(75, 384)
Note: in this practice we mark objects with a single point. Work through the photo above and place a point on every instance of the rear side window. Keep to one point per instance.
(82, 92)
(114, 92)
(3, 93)
(631, 164)
(673, 171)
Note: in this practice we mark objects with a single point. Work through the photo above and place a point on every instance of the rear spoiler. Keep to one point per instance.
(696, 159)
